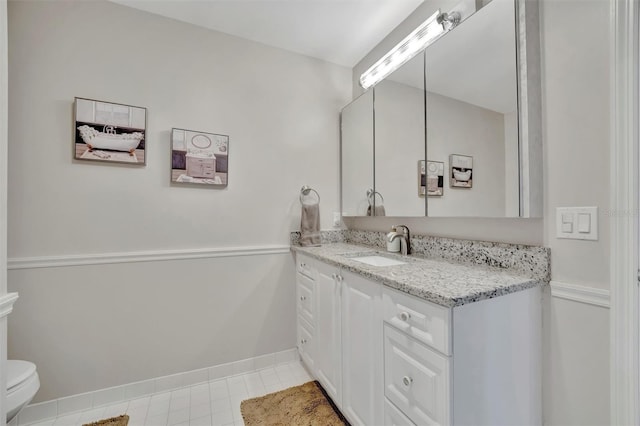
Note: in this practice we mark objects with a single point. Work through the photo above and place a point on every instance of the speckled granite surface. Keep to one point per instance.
(331, 236)
(445, 271)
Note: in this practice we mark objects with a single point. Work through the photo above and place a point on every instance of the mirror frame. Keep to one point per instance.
(529, 108)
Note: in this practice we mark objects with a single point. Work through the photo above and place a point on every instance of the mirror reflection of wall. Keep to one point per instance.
(357, 154)
(400, 139)
(471, 84)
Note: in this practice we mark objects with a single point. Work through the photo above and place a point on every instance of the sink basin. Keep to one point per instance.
(375, 260)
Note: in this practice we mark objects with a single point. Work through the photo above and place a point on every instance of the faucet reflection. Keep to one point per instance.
(405, 238)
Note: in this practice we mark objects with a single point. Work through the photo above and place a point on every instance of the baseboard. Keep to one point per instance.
(580, 293)
(50, 409)
(141, 256)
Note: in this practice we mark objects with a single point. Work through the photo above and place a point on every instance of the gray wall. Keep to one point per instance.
(89, 327)
(575, 90)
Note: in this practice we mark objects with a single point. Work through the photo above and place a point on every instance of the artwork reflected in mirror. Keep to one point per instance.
(109, 132)
(461, 167)
(199, 157)
(432, 178)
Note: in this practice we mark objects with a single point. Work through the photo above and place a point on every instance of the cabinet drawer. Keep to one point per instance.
(305, 295)
(416, 379)
(306, 343)
(393, 416)
(422, 320)
(306, 266)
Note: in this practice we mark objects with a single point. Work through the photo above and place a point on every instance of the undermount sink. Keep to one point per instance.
(375, 260)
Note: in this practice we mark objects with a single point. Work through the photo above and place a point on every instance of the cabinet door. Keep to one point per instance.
(306, 343)
(416, 379)
(328, 354)
(362, 394)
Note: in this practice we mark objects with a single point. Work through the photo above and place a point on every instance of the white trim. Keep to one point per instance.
(141, 256)
(6, 304)
(56, 407)
(624, 371)
(580, 293)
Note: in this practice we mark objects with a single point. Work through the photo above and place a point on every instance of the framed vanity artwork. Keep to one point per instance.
(110, 132)
(199, 157)
(431, 178)
(461, 171)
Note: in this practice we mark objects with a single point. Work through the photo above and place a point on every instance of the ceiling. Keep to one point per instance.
(337, 31)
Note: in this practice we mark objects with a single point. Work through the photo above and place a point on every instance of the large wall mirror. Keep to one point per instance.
(456, 130)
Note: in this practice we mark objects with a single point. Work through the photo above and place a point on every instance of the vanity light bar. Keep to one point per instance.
(428, 32)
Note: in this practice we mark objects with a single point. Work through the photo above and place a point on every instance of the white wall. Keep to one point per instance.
(88, 327)
(575, 90)
(399, 132)
(357, 155)
(3, 200)
(575, 71)
(455, 127)
(511, 166)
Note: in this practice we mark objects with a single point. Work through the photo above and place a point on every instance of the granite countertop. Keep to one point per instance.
(442, 282)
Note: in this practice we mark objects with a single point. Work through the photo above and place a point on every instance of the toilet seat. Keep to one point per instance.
(22, 385)
(18, 372)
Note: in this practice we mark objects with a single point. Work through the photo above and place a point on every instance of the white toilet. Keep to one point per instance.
(22, 385)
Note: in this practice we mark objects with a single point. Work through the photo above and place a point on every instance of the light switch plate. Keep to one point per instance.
(577, 223)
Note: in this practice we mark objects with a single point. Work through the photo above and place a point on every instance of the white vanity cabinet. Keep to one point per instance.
(347, 357)
(328, 332)
(387, 357)
(361, 350)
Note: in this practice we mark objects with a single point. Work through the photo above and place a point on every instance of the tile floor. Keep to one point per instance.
(206, 404)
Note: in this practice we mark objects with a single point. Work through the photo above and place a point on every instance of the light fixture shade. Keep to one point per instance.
(429, 31)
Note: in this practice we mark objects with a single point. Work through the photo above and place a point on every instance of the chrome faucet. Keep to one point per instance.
(405, 238)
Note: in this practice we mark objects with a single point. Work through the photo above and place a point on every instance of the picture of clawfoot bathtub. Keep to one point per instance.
(109, 132)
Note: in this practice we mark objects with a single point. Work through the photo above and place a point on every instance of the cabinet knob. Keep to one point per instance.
(334, 276)
(303, 265)
(339, 277)
(404, 316)
(407, 381)
(303, 341)
(303, 298)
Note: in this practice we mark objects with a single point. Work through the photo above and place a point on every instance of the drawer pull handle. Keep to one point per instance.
(303, 298)
(407, 381)
(404, 316)
(303, 341)
(303, 265)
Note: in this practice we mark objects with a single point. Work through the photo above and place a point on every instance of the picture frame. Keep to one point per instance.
(432, 178)
(109, 132)
(200, 158)
(461, 171)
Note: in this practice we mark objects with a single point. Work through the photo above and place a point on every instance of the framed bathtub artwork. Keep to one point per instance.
(431, 178)
(461, 171)
(199, 158)
(110, 132)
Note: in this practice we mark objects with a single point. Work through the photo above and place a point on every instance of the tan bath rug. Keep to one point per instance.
(304, 405)
(113, 421)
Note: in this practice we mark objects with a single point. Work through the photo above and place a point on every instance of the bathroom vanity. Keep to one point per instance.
(419, 341)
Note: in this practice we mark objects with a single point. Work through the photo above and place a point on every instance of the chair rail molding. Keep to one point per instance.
(141, 256)
(6, 304)
(624, 253)
(581, 293)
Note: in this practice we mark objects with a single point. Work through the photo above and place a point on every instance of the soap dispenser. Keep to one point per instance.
(393, 244)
